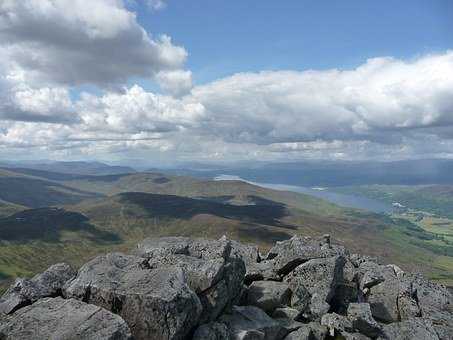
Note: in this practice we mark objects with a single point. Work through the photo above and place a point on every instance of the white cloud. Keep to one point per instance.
(78, 42)
(381, 98)
(382, 109)
(175, 82)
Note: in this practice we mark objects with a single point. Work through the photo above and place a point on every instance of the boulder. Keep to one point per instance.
(310, 331)
(443, 324)
(156, 303)
(287, 255)
(362, 320)
(336, 323)
(249, 322)
(56, 318)
(287, 318)
(380, 287)
(314, 284)
(214, 268)
(263, 270)
(26, 291)
(354, 336)
(268, 295)
(212, 331)
(415, 328)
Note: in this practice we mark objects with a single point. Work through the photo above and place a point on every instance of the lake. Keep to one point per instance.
(344, 200)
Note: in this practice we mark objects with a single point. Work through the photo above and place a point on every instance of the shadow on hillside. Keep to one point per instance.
(264, 235)
(46, 224)
(170, 206)
(38, 193)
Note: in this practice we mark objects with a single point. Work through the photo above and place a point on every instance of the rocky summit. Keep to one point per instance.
(182, 288)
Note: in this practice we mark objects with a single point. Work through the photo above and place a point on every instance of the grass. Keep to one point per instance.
(177, 205)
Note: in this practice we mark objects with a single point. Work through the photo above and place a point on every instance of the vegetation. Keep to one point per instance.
(436, 199)
(120, 210)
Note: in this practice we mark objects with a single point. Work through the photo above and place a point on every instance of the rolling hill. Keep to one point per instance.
(35, 192)
(113, 212)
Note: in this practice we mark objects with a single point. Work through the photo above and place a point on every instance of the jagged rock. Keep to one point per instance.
(443, 324)
(156, 303)
(336, 323)
(212, 331)
(56, 318)
(163, 246)
(215, 269)
(310, 331)
(249, 322)
(354, 336)
(380, 286)
(263, 270)
(362, 319)
(287, 255)
(287, 318)
(182, 288)
(431, 296)
(26, 291)
(314, 283)
(246, 252)
(268, 295)
(415, 328)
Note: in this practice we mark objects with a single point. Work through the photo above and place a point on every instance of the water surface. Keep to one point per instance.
(344, 200)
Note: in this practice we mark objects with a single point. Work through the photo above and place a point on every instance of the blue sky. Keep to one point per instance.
(225, 37)
(210, 81)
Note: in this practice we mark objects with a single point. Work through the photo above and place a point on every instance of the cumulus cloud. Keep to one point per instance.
(175, 82)
(379, 100)
(385, 108)
(78, 42)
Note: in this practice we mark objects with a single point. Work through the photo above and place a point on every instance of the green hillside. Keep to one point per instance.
(150, 204)
(35, 192)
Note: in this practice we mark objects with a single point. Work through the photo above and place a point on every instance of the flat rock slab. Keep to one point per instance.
(59, 319)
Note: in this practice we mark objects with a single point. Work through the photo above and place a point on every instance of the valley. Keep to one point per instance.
(73, 217)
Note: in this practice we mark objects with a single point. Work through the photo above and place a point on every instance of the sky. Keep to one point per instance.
(167, 81)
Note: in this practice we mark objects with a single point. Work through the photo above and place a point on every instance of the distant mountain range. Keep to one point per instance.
(77, 168)
(331, 173)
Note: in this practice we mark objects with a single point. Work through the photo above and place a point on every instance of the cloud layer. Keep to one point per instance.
(384, 108)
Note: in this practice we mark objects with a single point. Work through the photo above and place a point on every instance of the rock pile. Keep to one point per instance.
(181, 288)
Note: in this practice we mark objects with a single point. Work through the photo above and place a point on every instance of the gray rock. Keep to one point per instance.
(248, 253)
(416, 328)
(431, 296)
(310, 331)
(214, 268)
(336, 323)
(26, 291)
(163, 246)
(314, 284)
(354, 336)
(249, 322)
(443, 324)
(212, 331)
(264, 270)
(59, 319)
(362, 320)
(288, 254)
(381, 289)
(156, 303)
(268, 295)
(287, 318)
